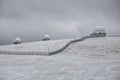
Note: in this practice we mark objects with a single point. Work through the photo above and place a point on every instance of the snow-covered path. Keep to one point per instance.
(71, 64)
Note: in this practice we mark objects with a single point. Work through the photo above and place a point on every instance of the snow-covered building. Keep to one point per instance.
(17, 40)
(46, 37)
(99, 31)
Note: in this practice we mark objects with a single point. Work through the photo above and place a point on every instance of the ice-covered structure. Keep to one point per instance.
(46, 37)
(99, 31)
(17, 40)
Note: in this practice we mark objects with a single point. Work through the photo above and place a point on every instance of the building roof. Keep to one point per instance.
(99, 29)
(18, 40)
(46, 36)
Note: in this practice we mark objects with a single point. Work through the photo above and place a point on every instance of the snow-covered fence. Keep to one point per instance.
(24, 53)
(61, 49)
(33, 48)
(72, 41)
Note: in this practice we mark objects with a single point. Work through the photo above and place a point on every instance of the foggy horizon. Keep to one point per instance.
(61, 19)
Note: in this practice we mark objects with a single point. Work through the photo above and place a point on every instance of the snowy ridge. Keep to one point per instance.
(99, 45)
(34, 48)
(39, 48)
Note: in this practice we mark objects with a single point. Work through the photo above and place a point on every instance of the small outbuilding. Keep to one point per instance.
(99, 31)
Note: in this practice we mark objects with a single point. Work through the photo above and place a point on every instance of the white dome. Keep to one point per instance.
(17, 40)
(99, 29)
(46, 37)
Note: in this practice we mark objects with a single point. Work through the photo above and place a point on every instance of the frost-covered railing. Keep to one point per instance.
(44, 50)
(34, 48)
(72, 41)
(23, 53)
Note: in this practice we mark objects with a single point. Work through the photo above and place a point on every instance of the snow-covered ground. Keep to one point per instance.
(96, 47)
(92, 59)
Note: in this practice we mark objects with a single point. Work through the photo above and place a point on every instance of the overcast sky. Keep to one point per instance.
(31, 19)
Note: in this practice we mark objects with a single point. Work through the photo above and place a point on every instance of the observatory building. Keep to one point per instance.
(99, 31)
(17, 40)
(46, 37)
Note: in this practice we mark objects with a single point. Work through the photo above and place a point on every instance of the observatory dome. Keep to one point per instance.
(17, 40)
(46, 37)
(99, 29)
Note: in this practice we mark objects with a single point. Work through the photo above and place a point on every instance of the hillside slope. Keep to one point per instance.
(92, 59)
(96, 47)
(40, 47)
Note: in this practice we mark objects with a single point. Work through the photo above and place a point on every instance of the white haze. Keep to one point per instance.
(32, 19)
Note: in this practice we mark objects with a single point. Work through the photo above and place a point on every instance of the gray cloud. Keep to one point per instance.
(31, 19)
